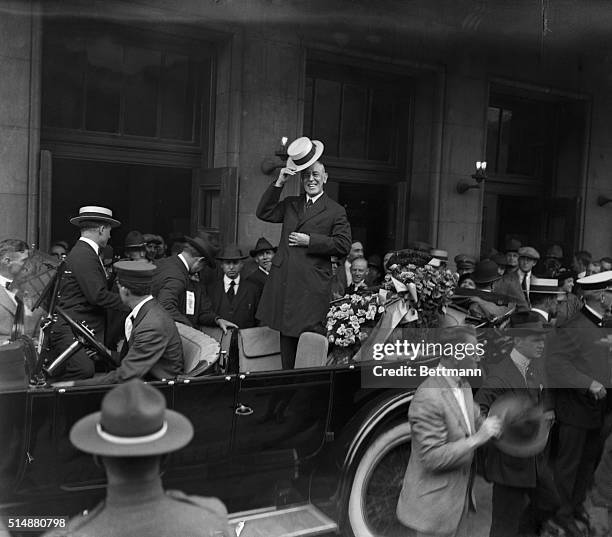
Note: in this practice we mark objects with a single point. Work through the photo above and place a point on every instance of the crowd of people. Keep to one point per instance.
(560, 355)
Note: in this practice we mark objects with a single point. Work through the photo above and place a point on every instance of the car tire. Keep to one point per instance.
(377, 483)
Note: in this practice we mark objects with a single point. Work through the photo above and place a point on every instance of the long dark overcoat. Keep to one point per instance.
(296, 295)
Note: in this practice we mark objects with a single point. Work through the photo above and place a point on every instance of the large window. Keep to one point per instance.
(130, 83)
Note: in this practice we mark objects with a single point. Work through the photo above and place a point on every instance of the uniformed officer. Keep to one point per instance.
(130, 434)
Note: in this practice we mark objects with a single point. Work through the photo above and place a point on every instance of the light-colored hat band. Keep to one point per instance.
(93, 209)
(131, 440)
(298, 161)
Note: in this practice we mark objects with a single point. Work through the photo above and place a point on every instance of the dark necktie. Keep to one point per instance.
(531, 378)
(8, 285)
(231, 292)
(308, 206)
(524, 283)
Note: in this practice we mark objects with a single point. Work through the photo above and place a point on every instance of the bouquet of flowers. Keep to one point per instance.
(347, 316)
(429, 288)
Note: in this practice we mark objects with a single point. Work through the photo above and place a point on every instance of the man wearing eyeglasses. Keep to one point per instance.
(296, 296)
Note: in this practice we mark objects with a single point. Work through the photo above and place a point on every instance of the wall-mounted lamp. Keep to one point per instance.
(269, 165)
(602, 200)
(479, 176)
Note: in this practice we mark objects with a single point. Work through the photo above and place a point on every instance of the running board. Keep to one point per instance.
(294, 521)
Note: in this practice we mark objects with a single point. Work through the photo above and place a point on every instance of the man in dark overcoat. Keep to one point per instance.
(233, 297)
(296, 296)
(85, 295)
(515, 479)
(578, 367)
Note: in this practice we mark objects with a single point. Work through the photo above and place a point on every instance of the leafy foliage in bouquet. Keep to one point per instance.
(347, 316)
(434, 288)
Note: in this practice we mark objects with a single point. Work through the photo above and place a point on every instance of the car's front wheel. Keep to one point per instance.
(377, 484)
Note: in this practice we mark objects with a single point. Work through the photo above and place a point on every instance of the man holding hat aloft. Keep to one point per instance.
(84, 295)
(516, 464)
(234, 298)
(296, 296)
(130, 435)
(263, 254)
(186, 301)
(579, 368)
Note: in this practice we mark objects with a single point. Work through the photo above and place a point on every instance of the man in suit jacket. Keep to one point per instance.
(578, 367)
(13, 254)
(234, 298)
(517, 283)
(359, 271)
(185, 300)
(85, 295)
(514, 479)
(436, 494)
(152, 348)
(296, 297)
(263, 253)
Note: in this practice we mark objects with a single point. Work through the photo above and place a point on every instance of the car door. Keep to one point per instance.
(280, 422)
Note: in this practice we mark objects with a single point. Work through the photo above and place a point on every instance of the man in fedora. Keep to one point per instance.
(579, 369)
(512, 248)
(296, 297)
(485, 305)
(520, 476)
(516, 283)
(543, 296)
(177, 293)
(130, 435)
(436, 497)
(134, 246)
(234, 298)
(152, 349)
(263, 254)
(85, 295)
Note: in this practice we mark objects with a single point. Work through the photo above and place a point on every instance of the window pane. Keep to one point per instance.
(62, 84)
(104, 60)
(492, 137)
(381, 136)
(177, 97)
(354, 122)
(327, 114)
(141, 88)
(504, 141)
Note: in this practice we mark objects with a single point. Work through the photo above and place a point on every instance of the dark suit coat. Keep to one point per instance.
(258, 277)
(155, 350)
(296, 296)
(438, 472)
(84, 294)
(170, 285)
(505, 378)
(510, 285)
(573, 362)
(8, 308)
(241, 310)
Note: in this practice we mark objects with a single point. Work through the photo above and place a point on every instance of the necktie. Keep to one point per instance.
(8, 284)
(231, 292)
(524, 283)
(129, 324)
(309, 203)
(531, 378)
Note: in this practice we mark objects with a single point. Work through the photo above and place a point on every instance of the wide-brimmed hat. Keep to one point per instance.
(232, 252)
(545, 286)
(95, 214)
(525, 427)
(303, 152)
(133, 422)
(486, 272)
(134, 239)
(262, 245)
(204, 247)
(529, 252)
(526, 323)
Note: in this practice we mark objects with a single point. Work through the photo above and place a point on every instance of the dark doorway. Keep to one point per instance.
(151, 199)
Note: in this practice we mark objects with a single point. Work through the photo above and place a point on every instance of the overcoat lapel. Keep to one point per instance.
(6, 302)
(451, 401)
(316, 209)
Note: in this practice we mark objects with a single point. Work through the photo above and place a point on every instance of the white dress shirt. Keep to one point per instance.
(313, 198)
(129, 321)
(91, 243)
(3, 282)
(227, 281)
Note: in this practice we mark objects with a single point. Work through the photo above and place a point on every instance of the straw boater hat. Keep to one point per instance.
(549, 286)
(133, 422)
(262, 245)
(96, 214)
(303, 152)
